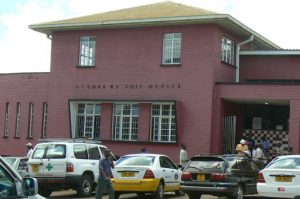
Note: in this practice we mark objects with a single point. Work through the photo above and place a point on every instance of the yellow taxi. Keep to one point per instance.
(146, 173)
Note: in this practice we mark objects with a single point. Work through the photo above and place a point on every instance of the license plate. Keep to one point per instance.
(127, 174)
(201, 177)
(35, 167)
(283, 179)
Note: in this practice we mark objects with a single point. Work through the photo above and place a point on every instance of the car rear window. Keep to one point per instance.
(50, 151)
(206, 163)
(136, 161)
(287, 163)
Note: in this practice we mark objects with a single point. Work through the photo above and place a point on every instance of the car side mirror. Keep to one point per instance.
(30, 186)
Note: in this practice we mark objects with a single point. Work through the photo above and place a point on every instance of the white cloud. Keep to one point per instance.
(24, 50)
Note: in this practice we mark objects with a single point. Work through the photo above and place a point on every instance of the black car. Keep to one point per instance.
(232, 176)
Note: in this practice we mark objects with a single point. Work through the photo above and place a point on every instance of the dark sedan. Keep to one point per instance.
(220, 175)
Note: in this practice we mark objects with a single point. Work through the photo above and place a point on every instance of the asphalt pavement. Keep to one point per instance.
(70, 194)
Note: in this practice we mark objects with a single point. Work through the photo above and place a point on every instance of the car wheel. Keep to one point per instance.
(194, 196)
(159, 194)
(179, 193)
(45, 192)
(239, 193)
(85, 186)
(117, 195)
(141, 195)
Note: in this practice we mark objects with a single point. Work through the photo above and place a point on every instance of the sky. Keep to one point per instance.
(24, 50)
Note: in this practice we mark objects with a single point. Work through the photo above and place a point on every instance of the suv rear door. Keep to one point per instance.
(48, 160)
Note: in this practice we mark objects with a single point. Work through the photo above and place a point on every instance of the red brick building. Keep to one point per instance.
(155, 76)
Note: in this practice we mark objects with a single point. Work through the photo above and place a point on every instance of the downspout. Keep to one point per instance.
(237, 58)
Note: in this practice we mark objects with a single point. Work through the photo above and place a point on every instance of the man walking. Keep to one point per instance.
(105, 175)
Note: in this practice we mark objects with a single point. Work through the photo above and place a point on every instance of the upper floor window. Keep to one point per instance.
(45, 120)
(227, 54)
(172, 48)
(125, 121)
(6, 125)
(30, 127)
(18, 120)
(163, 123)
(88, 120)
(87, 51)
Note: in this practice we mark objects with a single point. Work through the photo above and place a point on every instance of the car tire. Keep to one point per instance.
(44, 192)
(141, 195)
(117, 195)
(159, 193)
(179, 193)
(239, 192)
(85, 186)
(194, 195)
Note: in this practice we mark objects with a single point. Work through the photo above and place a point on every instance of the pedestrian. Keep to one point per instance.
(242, 148)
(279, 150)
(143, 150)
(29, 149)
(105, 175)
(265, 146)
(259, 156)
(183, 156)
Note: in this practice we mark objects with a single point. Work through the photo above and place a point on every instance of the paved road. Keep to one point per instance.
(72, 194)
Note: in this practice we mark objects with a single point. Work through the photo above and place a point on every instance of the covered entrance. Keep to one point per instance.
(256, 119)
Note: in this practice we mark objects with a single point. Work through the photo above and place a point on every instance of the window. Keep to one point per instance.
(125, 121)
(6, 126)
(88, 120)
(30, 127)
(172, 48)
(18, 120)
(227, 54)
(80, 151)
(163, 123)
(45, 120)
(87, 51)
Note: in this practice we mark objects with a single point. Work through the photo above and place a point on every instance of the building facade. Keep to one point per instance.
(154, 77)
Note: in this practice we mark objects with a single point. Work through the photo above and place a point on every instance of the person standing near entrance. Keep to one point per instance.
(105, 175)
(183, 157)
(265, 146)
(242, 148)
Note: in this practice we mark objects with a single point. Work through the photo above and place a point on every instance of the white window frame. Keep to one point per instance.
(89, 119)
(18, 120)
(122, 130)
(7, 114)
(87, 53)
(227, 51)
(172, 48)
(45, 120)
(31, 117)
(157, 118)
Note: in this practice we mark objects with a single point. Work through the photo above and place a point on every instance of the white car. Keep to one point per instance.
(19, 164)
(13, 186)
(66, 164)
(280, 178)
(146, 173)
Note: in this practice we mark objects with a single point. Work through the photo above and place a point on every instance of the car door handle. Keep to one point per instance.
(93, 163)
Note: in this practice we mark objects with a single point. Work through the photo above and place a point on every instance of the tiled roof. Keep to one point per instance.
(157, 10)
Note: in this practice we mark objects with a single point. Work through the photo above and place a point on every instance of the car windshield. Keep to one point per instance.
(286, 163)
(135, 161)
(206, 163)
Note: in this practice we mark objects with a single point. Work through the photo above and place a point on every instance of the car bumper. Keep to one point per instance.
(215, 189)
(265, 190)
(144, 185)
(59, 182)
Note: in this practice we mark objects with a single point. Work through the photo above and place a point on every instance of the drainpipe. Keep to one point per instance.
(237, 58)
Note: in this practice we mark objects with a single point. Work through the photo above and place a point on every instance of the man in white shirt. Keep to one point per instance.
(259, 156)
(183, 157)
(29, 149)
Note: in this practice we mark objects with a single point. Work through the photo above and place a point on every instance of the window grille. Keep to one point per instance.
(18, 120)
(227, 54)
(87, 51)
(172, 48)
(31, 116)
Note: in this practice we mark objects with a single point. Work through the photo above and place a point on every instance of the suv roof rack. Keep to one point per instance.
(71, 140)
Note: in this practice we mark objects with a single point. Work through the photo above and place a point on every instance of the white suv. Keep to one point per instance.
(66, 164)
